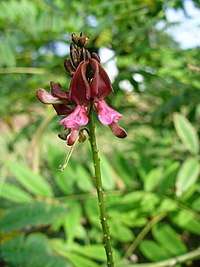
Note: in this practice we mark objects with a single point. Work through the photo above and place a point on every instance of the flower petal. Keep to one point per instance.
(62, 109)
(57, 91)
(47, 98)
(117, 130)
(71, 138)
(106, 114)
(80, 91)
(101, 84)
(76, 119)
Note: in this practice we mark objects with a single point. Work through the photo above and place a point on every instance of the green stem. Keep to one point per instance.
(100, 193)
(22, 70)
(143, 233)
(192, 255)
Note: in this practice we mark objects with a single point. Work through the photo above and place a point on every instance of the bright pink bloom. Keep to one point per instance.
(73, 121)
(76, 119)
(106, 114)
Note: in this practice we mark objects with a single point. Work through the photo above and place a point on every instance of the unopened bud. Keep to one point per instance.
(69, 67)
(117, 130)
(75, 38)
(85, 54)
(74, 55)
(95, 56)
(83, 40)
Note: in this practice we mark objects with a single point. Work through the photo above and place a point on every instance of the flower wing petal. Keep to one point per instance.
(100, 84)
(106, 114)
(76, 119)
(79, 87)
(47, 98)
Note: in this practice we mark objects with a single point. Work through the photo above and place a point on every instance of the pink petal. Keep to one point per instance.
(117, 130)
(106, 114)
(47, 98)
(76, 119)
(101, 84)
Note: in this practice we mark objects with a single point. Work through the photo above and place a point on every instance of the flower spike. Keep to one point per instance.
(89, 87)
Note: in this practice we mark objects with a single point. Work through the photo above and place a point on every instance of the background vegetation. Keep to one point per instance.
(49, 217)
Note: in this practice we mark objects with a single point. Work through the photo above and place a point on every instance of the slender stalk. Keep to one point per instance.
(22, 70)
(143, 233)
(189, 256)
(100, 193)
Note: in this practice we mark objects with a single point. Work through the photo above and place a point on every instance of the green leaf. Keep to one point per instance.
(83, 178)
(153, 251)
(187, 133)
(186, 220)
(169, 239)
(96, 252)
(14, 194)
(120, 232)
(72, 221)
(64, 179)
(34, 214)
(33, 182)
(187, 175)
(196, 204)
(108, 173)
(33, 251)
(78, 261)
(168, 178)
(152, 179)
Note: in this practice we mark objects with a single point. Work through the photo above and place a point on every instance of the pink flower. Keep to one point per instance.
(74, 121)
(109, 116)
(58, 98)
(89, 86)
(106, 114)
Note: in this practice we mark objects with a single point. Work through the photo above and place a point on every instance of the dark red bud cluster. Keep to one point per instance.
(78, 53)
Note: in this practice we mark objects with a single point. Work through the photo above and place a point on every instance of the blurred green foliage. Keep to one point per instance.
(49, 217)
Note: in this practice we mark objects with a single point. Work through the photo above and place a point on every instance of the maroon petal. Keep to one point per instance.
(57, 91)
(72, 137)
(62, 109)
(117, 130)
(79, 88)
(101, 84)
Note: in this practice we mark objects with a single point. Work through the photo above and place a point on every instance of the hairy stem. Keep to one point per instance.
(100, 193)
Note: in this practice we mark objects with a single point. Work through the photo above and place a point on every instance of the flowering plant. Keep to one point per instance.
(89, 87)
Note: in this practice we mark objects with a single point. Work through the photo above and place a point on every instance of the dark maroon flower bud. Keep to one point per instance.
(95, 56)
(85, 54)
(117, 130)
(75, 38)
(74, 55)
(83, 40)
(69, 67)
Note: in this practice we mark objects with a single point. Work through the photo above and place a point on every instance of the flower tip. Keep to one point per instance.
(117, 130)
(72, 137)
(47, 98)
